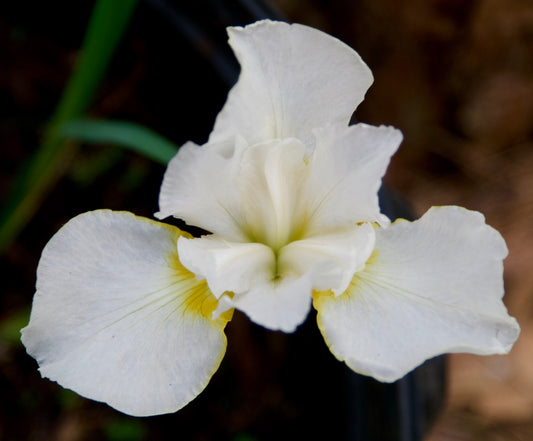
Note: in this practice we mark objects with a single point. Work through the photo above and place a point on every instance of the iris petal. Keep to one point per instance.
(345, 171)
(118, 319)
(227, 266)
(431, 286)
(200, 186)
(293, 79)
(249, 271)
(277, 304)
(332, 257)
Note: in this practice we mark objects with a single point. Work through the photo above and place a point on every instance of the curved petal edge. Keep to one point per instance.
(118, 319)
(432, 286)
(286, 88)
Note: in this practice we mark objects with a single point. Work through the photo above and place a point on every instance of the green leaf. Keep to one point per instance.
(121, 133)
(107, 24)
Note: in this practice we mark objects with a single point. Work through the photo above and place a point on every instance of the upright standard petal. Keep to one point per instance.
(293, 78)
(270, 181)
(118, 319)
(345, 172)
(200, 187)
(248, 194)
(430, 287)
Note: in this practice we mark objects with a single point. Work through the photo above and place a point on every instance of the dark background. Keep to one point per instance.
(455, 76)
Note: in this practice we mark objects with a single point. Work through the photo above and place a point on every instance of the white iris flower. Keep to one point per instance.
(132, 312)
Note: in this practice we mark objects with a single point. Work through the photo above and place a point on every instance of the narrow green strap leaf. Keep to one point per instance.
(122, 133)
(107, 24)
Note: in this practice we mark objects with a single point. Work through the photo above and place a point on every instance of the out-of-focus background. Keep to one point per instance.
(456, 76)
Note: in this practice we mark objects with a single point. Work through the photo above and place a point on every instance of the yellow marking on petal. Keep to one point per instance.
(400, 220)
(321, 297)
(320, 301)
(194, 295)
(196, 298)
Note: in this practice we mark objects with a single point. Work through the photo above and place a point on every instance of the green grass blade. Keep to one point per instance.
(106, 26)
(122, 133)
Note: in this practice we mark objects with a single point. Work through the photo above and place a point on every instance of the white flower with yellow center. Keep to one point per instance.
(132, 312)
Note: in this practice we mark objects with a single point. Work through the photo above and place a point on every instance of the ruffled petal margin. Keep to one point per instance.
(286, 87)
(118, 319)
(430, 287)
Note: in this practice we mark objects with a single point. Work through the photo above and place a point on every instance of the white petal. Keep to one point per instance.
(227, 266)
(345, 175)
(118, 319)
(331, 258)
(278, 304)
(248, 271)
(270, 180)
(293, 78)
(200, 187)
(246, 195)
(432, 286)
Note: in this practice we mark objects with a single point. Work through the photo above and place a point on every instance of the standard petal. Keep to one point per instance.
(248, 194)
(118, 319)
(431, 286)
(345, 172)
(200, 187)
(332, 259)
(270, 180)
(293, 78)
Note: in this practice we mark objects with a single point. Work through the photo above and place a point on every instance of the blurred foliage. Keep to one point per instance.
(121, 133)
(10, 327)
(106, 26)
(124, 429)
